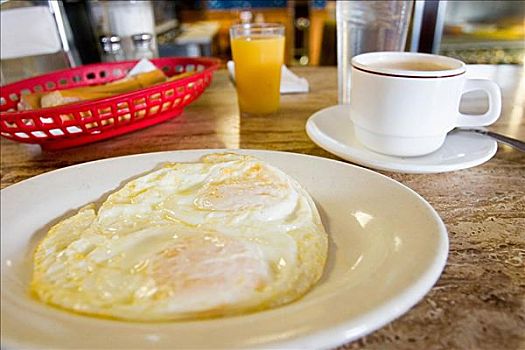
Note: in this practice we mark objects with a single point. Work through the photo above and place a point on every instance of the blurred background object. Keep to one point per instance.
(474, 31)
(483, 32)
(34, 39)
(301, 29)
(125, 19)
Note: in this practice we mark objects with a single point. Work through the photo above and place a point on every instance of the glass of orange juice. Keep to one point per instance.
(258, 53)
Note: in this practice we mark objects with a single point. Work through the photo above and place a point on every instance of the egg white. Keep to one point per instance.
(224, 235)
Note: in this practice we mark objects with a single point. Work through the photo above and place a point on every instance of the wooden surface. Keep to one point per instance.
(478, 303)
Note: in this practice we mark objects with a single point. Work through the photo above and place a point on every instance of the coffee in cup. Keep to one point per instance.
(404, 103)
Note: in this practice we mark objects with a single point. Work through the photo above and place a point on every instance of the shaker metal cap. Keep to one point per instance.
(109, 39)
(142, 37)
(110, 43)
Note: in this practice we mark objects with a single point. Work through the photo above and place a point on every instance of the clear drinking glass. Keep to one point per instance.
(258, 53)
(366, 26)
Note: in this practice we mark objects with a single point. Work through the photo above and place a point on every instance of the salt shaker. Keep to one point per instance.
(111, 48)
(142, 46)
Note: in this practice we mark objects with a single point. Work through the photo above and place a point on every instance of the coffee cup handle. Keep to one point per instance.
(494, 95)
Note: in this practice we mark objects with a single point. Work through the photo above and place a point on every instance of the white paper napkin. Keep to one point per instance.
(290, 83)
(142, 66)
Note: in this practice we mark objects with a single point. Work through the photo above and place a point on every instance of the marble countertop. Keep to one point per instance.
(478, 303)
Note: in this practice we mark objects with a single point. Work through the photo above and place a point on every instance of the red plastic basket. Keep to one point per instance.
(89, 121)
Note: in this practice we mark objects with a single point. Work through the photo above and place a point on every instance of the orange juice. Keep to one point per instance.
(258, 60)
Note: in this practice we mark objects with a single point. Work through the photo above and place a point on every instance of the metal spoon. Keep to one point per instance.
(517, 144)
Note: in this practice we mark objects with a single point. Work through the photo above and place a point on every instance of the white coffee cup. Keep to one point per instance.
(405, 103)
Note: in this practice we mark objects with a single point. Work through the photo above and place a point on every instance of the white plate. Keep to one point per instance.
(387, 249)
(332, 130)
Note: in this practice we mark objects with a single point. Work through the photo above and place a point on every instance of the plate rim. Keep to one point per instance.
(331, 336)
(349, 153)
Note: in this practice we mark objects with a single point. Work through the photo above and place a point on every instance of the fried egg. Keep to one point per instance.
(225, 235)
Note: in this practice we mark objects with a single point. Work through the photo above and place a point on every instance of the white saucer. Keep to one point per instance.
(332, 130)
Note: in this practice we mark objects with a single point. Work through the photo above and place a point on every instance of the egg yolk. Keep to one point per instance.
(207, 263)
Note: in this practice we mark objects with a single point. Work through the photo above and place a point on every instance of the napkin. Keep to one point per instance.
(142, 66)
(290, 83)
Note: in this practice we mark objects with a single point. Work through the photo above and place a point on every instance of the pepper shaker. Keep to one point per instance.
(111, 48)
